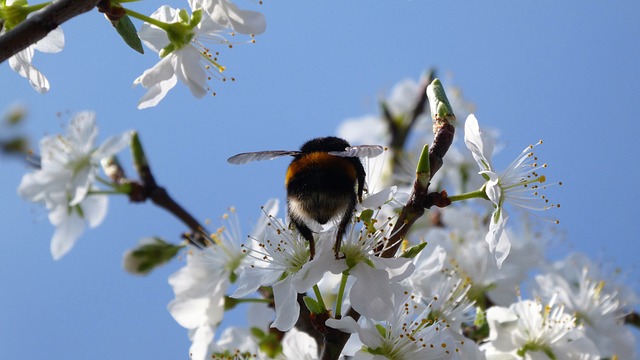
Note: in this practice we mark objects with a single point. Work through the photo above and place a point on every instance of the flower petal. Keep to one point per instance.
(82, 130)
(499, 244)
(156, 93)
(242, 21)
(21, 63)
(202, 337)
(287, 307)
(346, 324)
(94, 209)
(52, 43)
(371, 293)
(188, 312)
(69, 227)
(480, 144)
(112, 145)
(188, 70)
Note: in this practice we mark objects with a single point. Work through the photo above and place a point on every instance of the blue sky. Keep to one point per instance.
(565, 72)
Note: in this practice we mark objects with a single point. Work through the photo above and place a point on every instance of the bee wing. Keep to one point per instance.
(359, 151)
(244, 158)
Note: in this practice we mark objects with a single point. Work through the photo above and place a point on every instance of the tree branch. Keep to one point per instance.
(40, 24)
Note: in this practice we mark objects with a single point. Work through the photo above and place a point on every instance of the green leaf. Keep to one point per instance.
(313, 305)
(129, 34)
(413, 251)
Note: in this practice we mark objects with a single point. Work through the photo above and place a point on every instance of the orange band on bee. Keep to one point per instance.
(319, 159)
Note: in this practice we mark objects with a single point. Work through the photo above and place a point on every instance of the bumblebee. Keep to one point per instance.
(324, 181)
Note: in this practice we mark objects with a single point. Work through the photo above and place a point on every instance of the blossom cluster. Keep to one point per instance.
(457, 288)
(181, 38)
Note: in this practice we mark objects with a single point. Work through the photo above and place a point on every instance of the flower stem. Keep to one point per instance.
(343, 284)
(316, 290)
(162, 25)
(480, 193)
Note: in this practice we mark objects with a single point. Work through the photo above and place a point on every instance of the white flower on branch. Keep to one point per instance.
(518, 185)
(599, 305)
(281, 260)
(530, 330)
(68, 173)
(12, 13)
(183, 53)
(201, 285)
(409, 334)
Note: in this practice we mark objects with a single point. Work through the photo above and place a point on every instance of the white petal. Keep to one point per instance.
(371, 294)
(312, 272)
(346, 324)
(156, 93)
(380, 198)
(202, 337)
(429, 263)
(68, 229)
(480, 144)
(79, 185)
(499, 244)
(493, 189)
(113, 145)
(397, 268)
(82, 130)
(242, 21)
(287, 307)
(189, 313)
(189, 71)
(250, 279)
(237, 339)
(94, 209)
(161, 71)
(21, 63)
(52, 43)
(154, 37)
(41, 185)
(299, 345)
(369, 335)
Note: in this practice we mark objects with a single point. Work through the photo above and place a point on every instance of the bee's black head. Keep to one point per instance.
(324, 144)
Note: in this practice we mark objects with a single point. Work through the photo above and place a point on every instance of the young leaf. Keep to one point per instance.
(129, 34)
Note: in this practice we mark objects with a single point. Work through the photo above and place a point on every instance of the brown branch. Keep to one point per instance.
(40, 24)
(149, 189)
(420, 197)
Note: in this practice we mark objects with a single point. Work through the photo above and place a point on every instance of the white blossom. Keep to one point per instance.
(409, 334)
(598, 308)
(186, 59)
(201, 285)
(530, 331)
(280, 259)
(68, 172)
(517, 185)
(14, 12)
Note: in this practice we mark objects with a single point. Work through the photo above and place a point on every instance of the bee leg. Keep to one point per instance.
(344, 223)
(307, 234)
